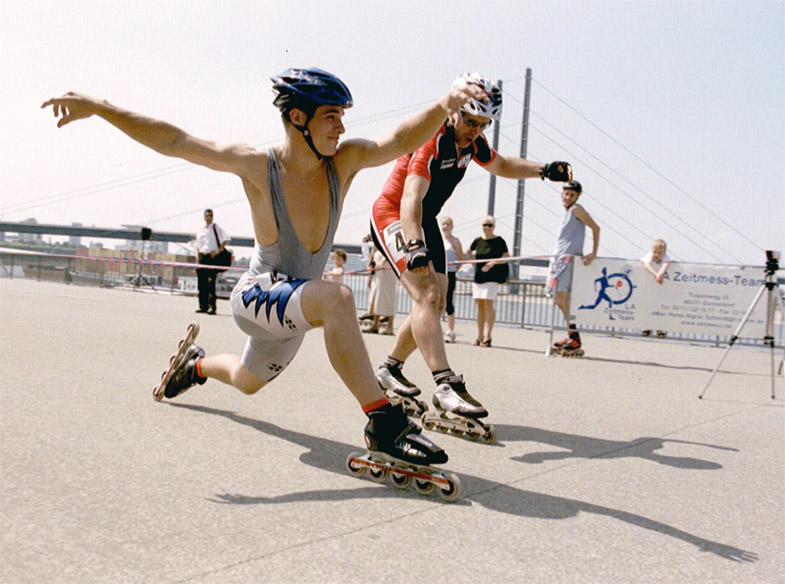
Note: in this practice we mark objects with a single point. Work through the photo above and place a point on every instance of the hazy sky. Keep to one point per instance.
(672, 113)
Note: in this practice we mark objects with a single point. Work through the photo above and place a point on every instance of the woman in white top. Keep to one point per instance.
(453, 252)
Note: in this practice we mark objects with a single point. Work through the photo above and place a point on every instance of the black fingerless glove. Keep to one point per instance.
(417, 255)
(558, 171)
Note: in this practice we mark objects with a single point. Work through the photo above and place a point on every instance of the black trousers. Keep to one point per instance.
(206, 281)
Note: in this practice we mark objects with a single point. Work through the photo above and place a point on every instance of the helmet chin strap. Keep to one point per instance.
(308, 139)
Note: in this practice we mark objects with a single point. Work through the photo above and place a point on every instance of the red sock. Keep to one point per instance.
(199, 368)
(375, 405)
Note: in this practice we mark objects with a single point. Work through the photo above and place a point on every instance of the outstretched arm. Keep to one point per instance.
(158, 135)
(408, 136)
(520, 168)
(513, 167)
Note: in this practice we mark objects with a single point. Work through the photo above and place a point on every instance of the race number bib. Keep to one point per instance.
(394, 241)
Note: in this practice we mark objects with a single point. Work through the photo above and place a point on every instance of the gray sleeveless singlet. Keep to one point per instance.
(288, 255)
(571, 236)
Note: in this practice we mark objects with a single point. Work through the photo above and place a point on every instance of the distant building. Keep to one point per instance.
(75, 240)
(30, 237)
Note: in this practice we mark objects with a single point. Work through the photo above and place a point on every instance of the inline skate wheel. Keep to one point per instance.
(490, 437)
(400, 481)
(352, 468)
(453, 490)
(428, 424)
(423, 487)
(378, 475)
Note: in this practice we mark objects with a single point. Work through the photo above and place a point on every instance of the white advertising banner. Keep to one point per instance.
(693, 298)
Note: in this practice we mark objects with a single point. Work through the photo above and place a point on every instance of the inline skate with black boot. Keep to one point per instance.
(397, 449)
(400, 390)
(569, 347)
(458, 413)
(181, 374)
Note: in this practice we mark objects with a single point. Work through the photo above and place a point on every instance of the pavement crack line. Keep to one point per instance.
(304, 544)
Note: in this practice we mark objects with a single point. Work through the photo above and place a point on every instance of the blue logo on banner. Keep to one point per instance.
(615, 289)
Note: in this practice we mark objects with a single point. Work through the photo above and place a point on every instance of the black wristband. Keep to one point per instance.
(417, 255)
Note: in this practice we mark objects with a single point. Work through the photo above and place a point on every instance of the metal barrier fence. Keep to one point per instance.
(524, 304)
(520, 303)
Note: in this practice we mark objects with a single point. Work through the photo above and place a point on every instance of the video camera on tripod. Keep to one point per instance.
(772, 262)
(773, 299)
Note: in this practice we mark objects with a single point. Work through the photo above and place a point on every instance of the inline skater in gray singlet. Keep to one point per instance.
(295, 192)
(569, 245)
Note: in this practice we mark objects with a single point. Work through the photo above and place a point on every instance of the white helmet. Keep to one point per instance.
(491, 109)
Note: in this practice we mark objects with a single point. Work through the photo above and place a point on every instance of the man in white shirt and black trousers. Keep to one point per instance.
(210, 241)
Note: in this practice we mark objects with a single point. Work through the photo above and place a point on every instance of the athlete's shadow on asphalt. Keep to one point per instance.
(574, 446)
(329, 455)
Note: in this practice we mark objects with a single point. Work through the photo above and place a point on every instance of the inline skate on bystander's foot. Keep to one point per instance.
(398, 451)
(400, 390)
(181, 374)
(568, 348)
(458, 413)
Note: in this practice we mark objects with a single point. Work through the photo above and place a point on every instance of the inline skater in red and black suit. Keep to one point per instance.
(405, 228)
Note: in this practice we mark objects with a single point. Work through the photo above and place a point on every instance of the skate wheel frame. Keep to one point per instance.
(566, 353)
(174, 360)
(461, 427)
(402, 475)
(413, 407)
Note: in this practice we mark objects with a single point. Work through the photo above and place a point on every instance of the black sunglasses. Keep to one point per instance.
(487, 224)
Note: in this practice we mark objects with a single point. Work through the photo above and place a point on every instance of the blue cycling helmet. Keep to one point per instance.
(307, 89)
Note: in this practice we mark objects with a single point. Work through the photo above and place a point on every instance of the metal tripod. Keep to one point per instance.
(771, 288)
(141, 279)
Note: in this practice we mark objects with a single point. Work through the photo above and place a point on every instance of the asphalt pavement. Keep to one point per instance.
(607, 468)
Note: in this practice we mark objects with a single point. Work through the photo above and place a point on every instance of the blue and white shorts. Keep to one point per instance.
(267, 308)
